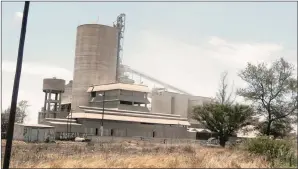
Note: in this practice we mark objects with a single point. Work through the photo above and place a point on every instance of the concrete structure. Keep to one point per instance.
(53, 89)
(175, 103)
(67, 95)
(120, 96)
(95, 60)
(34, 133)
(129, 124)
(125, 114)
(96, 96)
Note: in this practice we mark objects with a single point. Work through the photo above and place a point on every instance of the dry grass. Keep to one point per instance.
(128, 155)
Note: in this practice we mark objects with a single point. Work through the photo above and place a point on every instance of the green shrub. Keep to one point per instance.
(276, 151)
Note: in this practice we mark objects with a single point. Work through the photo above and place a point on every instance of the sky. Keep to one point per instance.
(187, 45)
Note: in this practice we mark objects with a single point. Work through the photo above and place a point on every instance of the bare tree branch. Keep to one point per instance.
(271, 89)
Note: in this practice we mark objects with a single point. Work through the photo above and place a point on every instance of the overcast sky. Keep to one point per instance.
(185, 44)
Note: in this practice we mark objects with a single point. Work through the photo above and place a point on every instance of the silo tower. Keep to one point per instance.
(95, 60)
(53, 89)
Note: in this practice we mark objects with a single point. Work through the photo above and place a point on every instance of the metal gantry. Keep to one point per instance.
(120, 25)
(150, 78)
(121, 69)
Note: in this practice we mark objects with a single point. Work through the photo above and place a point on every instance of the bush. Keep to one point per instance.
(188, 149)
(275, 151)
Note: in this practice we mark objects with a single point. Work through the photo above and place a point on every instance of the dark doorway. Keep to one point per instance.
(96, 131)
(112, 132)
(153, 134)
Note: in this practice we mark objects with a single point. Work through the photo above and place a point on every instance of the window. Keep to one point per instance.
(126, 102)
(93, 94)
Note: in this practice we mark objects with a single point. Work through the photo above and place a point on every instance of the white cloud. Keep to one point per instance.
(30, 84)
(216, 41)
(19, 15)
(39, 69)
(196, 67)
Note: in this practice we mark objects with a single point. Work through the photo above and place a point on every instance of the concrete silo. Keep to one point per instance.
(95, 60)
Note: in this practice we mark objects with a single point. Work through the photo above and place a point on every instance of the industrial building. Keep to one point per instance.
(33, 133)
(102, 100)
(176, 103)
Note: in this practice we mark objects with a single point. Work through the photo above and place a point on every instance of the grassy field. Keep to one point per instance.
(131, 154)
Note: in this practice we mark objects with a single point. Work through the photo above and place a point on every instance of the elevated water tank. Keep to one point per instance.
(54, 85)
(53, 89)
(95, 60)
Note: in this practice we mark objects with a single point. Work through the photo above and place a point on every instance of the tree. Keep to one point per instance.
(279, 128)
(223, 117)
(273, 91)
(21, 113)
(222, 95)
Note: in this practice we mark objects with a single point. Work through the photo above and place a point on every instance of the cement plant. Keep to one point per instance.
(108, 114)
(102, 100)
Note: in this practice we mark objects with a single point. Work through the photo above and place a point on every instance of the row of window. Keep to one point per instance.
(122, 92)
(111, 132)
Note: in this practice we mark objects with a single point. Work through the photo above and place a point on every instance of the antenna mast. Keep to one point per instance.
(121, 27)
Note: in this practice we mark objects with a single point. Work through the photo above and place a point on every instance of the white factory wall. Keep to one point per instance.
(175, 103)
(126, 129)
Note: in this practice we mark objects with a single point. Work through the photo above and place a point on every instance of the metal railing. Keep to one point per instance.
(69, 135)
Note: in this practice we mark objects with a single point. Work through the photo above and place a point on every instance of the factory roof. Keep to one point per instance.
(58, 122)
(129, 118)
(84, 108)
(64, 103)
(148, 115)
(34, 125)
(60, 119)
(191, 97)
(121, 86)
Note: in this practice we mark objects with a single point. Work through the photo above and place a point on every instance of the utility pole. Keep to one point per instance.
(103, 112)
(14, 99)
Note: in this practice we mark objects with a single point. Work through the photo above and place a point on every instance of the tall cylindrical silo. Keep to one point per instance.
(95, 60)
